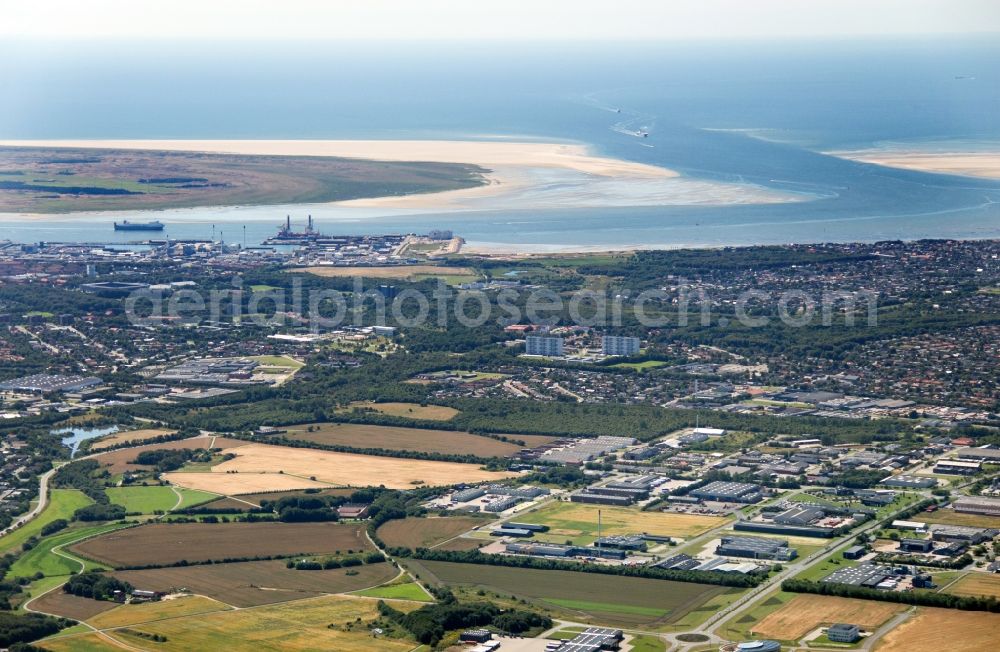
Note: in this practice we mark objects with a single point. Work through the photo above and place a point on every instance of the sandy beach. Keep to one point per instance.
(974, 163)
(520, 175)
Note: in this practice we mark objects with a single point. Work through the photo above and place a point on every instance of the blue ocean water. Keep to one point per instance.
(752, 112)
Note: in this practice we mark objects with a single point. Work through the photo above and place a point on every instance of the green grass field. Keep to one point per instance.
(143, 500)
(149, 500)
(648, 643)
(407, 591)
(278, 361)
(43, 559)
(614, 601)
(640, 366)
(62, 504)
(739, 627)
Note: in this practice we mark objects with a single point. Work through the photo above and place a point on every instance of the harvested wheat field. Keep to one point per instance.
(129, 437)
(352, 469)
(976, 584)
(120, 460)
(934, 630)
(253, 583)
(421, 440)
(290, 627)
(169, 543)
(234, 484)
(804, 613)
(426, 532)
(409, 410)
(59, 603)
(145, 612)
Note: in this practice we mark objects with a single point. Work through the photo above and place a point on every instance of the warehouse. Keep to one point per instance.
(962, 534)
(594, 639)
(466, 495)
(511, 532)
(756, 548)
(734, 492)
(533, 527)
(45, 383)
(501, 504)
(916, 545)
(622, 542)
(958, 467)
(909, 482)
(981, 454)
(854, 552)
(558, 550)
(596, 499)
(868, 575)
(978, 505)
(780, 528)
(634, 493)
(799, 515)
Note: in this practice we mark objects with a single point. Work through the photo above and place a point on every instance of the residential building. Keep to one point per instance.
(543, 345)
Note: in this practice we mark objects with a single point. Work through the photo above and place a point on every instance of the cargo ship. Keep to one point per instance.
(125, 225)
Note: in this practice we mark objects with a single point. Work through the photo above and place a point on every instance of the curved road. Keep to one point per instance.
(43, 500)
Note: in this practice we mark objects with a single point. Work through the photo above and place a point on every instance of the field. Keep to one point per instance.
(234, 484)
(351, 469)
(247, 584)
(62, 504)
(401, 272)
(976, 584)
(951, 517)
(293, 627)
(404, 591)
(409, 410)
(590, 597)
(277, 495)
(579, 522)
(426, 532)
(282, 361)
(162, 543)
(132, 614)
(129, 437)
(59, 603)
(933, 630)
(44, 559)
(805, 613)
(147, 500)
(422, 440)
(120, 461)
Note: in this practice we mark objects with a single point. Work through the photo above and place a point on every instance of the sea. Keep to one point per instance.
(760, 113)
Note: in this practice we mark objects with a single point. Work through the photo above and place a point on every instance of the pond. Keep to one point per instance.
(73, 437)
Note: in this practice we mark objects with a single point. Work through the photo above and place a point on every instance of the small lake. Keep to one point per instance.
(73, 437)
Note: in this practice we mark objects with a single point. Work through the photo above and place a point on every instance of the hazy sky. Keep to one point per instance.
(492, 19)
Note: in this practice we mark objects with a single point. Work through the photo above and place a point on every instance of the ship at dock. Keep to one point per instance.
(286, 235)
(125, 225)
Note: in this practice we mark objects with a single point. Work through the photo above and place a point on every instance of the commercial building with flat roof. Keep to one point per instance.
(735, 492)
(45, 383)
(910, 482)
(978, 505)
(755, 548)
(958, 467)
(983, 454)
(843, 632)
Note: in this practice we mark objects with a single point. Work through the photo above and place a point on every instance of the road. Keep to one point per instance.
(43, 500)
